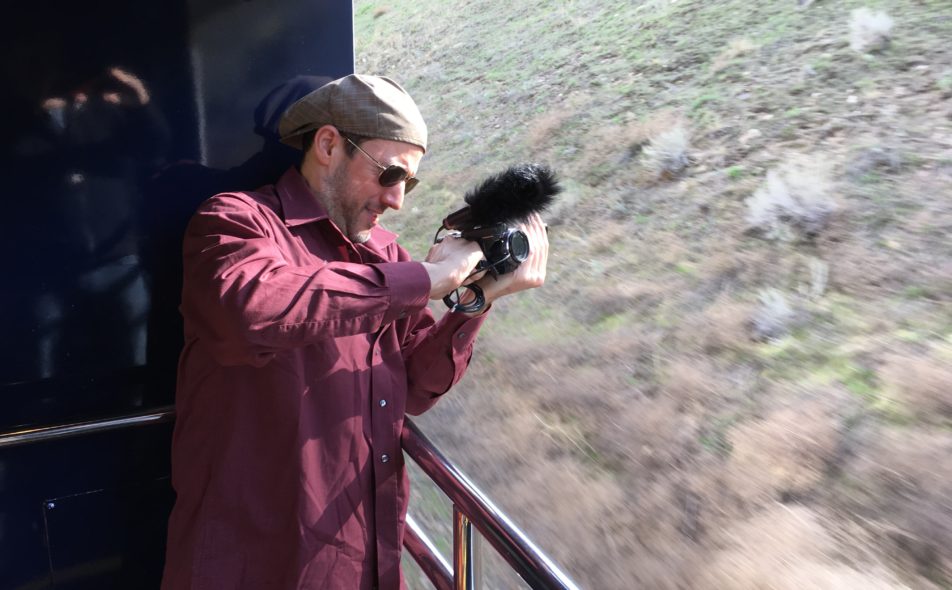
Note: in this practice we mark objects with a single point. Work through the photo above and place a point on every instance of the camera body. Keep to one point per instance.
(504, 247)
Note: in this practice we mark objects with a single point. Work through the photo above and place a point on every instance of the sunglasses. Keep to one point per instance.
(390, 175)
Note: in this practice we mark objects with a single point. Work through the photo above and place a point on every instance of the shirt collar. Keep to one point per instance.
(300, 206)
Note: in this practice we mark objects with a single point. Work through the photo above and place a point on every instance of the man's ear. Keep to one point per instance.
(326, 140)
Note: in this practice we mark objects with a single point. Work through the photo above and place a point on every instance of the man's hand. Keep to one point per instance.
(133, 91)
(531, 273)
(449, 263)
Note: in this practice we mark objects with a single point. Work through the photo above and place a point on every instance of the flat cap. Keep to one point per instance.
(371, 106)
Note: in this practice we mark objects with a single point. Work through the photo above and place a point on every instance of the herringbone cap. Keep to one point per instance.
(371, 106)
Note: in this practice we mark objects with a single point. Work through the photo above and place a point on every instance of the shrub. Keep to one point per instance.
(869, 31)
(773, 317)
(795, 202)
(666, 156)
(819, 278)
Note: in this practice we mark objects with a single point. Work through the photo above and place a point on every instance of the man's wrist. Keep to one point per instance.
(439, 282)
(468, 297)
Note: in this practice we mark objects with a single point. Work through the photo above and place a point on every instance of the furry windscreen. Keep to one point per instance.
(512, 195)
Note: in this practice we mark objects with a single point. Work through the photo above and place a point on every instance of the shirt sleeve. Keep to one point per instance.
(436, 353)
(243, 296)
(437, 357)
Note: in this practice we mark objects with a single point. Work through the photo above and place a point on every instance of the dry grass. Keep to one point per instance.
(896, 484)
(577, 495)
(786, 454)
(545, 128)
(609, 148)
(650, 436)
(595, 304)
(725, 326)
(693, 384)
(863, 269)
(921, 384)
(734, 49)
(789, 548)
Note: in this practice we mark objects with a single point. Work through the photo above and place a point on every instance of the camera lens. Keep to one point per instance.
(518, 245)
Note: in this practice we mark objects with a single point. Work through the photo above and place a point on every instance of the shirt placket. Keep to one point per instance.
(386, 453)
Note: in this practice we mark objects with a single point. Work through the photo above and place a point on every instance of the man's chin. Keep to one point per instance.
(360, 237)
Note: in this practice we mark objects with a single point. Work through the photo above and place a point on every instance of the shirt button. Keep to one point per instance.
(384, 458)
(383, 403)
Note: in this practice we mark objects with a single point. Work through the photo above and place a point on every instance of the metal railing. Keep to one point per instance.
(45, 433)
(471, 508)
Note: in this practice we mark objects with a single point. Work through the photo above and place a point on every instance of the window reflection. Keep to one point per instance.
(78, 164)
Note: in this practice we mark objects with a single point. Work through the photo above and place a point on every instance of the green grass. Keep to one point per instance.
(613, 322)
(704, 99)
(686, 268)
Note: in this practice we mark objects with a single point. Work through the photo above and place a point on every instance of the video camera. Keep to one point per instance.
(492, 207)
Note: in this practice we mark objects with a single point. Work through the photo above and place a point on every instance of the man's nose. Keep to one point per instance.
(393, 196)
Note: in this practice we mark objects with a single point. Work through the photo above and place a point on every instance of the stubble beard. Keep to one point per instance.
(343, 207)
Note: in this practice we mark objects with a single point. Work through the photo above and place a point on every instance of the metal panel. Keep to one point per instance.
(108, 538)
(128, 468)
(119, 118)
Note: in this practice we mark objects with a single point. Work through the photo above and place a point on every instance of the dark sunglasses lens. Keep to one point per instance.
(411, 182)
(392, 175)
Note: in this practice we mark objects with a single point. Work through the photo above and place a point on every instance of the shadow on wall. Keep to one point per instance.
(177, 190)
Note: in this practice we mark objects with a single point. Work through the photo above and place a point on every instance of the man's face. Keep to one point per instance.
(355, 199)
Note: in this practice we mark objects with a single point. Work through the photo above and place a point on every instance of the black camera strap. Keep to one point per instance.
(472, 307)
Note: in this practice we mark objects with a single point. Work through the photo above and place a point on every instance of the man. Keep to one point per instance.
(307, 340)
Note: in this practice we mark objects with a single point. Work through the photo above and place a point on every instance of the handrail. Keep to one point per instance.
(44, 433)
(512, 544)
(436, 568)
(471, 506)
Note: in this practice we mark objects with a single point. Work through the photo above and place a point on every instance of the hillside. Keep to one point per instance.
(739, 372)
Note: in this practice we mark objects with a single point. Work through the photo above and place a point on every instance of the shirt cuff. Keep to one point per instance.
(409, 286)
(464, 328)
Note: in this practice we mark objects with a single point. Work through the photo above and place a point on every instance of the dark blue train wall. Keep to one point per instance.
(118, 118)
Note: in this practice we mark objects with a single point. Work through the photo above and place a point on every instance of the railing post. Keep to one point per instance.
(463, 570)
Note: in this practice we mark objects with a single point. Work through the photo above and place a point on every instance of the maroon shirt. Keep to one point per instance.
(303, 351)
